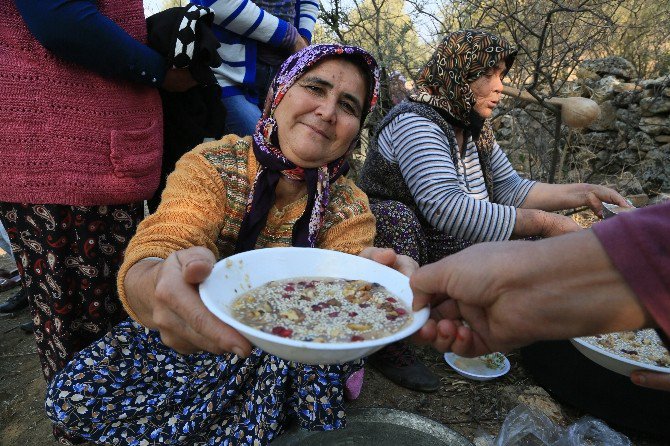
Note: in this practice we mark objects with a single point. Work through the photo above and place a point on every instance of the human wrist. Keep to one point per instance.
(137, 289)
(530, 222)
(522, 283)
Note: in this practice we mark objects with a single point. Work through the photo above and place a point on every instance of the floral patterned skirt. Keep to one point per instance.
(129, 388)
(399, 228)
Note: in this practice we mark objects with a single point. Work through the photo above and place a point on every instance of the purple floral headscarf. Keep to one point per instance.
(273, 162)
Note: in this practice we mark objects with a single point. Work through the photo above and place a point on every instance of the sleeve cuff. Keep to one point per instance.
(631, 256)
(307, 34)
(290, 38)
(148, 67)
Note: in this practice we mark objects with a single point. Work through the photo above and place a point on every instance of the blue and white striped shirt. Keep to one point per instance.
(240, 25)
(453, 200)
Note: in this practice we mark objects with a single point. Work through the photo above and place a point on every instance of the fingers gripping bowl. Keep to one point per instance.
(235, 275)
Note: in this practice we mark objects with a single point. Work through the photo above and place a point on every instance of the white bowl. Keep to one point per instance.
(612, 361)
(475, 368)
(239, 273)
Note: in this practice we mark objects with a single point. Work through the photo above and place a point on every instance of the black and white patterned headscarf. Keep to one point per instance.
(462, 57)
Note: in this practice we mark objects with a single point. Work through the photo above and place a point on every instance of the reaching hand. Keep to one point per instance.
(457, 290)
(513, 293)
(165, 297)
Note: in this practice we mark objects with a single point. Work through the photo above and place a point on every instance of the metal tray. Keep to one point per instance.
(378, 427)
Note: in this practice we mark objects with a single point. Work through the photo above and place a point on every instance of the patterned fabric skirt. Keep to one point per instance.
(129, 388)
(68, 257)
(399, 228)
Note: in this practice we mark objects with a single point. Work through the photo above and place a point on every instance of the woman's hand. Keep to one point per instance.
(178, 80)
(594, 195)
(652, 380)
(556, 197)
(164, 295)
(388, 257)
(300, 43)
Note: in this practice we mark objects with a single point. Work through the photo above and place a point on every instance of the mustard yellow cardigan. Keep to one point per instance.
(204, 201)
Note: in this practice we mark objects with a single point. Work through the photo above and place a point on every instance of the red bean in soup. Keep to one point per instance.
(320, 309)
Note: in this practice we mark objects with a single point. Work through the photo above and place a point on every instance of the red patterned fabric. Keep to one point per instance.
(68, 135)
(68, 257)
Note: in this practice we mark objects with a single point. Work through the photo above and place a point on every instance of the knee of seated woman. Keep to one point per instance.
(59, 397)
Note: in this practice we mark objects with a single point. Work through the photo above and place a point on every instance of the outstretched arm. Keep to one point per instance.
(423, 154)
(555, 197)
(513, 293)
(163, 294)
(76, 31)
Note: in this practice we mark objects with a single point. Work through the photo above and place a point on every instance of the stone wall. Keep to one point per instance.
(629, 145)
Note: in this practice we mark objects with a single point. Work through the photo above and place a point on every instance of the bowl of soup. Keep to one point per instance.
(310, 305)
(625, 352)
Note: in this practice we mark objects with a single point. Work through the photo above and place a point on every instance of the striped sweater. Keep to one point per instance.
(240, 25)
(451, 198)
(204, 201)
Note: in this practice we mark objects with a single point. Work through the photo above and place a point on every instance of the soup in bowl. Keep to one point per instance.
(311, 305)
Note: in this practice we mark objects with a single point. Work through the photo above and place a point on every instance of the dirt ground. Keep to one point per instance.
(468, 407)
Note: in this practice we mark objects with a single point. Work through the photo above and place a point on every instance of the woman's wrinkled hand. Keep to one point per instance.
(164, 294)
(595, 195)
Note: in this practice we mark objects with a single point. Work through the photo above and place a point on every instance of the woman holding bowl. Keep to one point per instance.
(174, 373)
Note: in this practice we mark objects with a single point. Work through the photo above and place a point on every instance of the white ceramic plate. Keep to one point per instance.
(612, 361)
(476, 368)
(239, 273)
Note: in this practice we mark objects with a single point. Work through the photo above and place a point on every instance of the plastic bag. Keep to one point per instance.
(591, 431)
(524, 426)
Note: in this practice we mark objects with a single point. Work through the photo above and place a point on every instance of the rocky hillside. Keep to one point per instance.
(629, 146)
